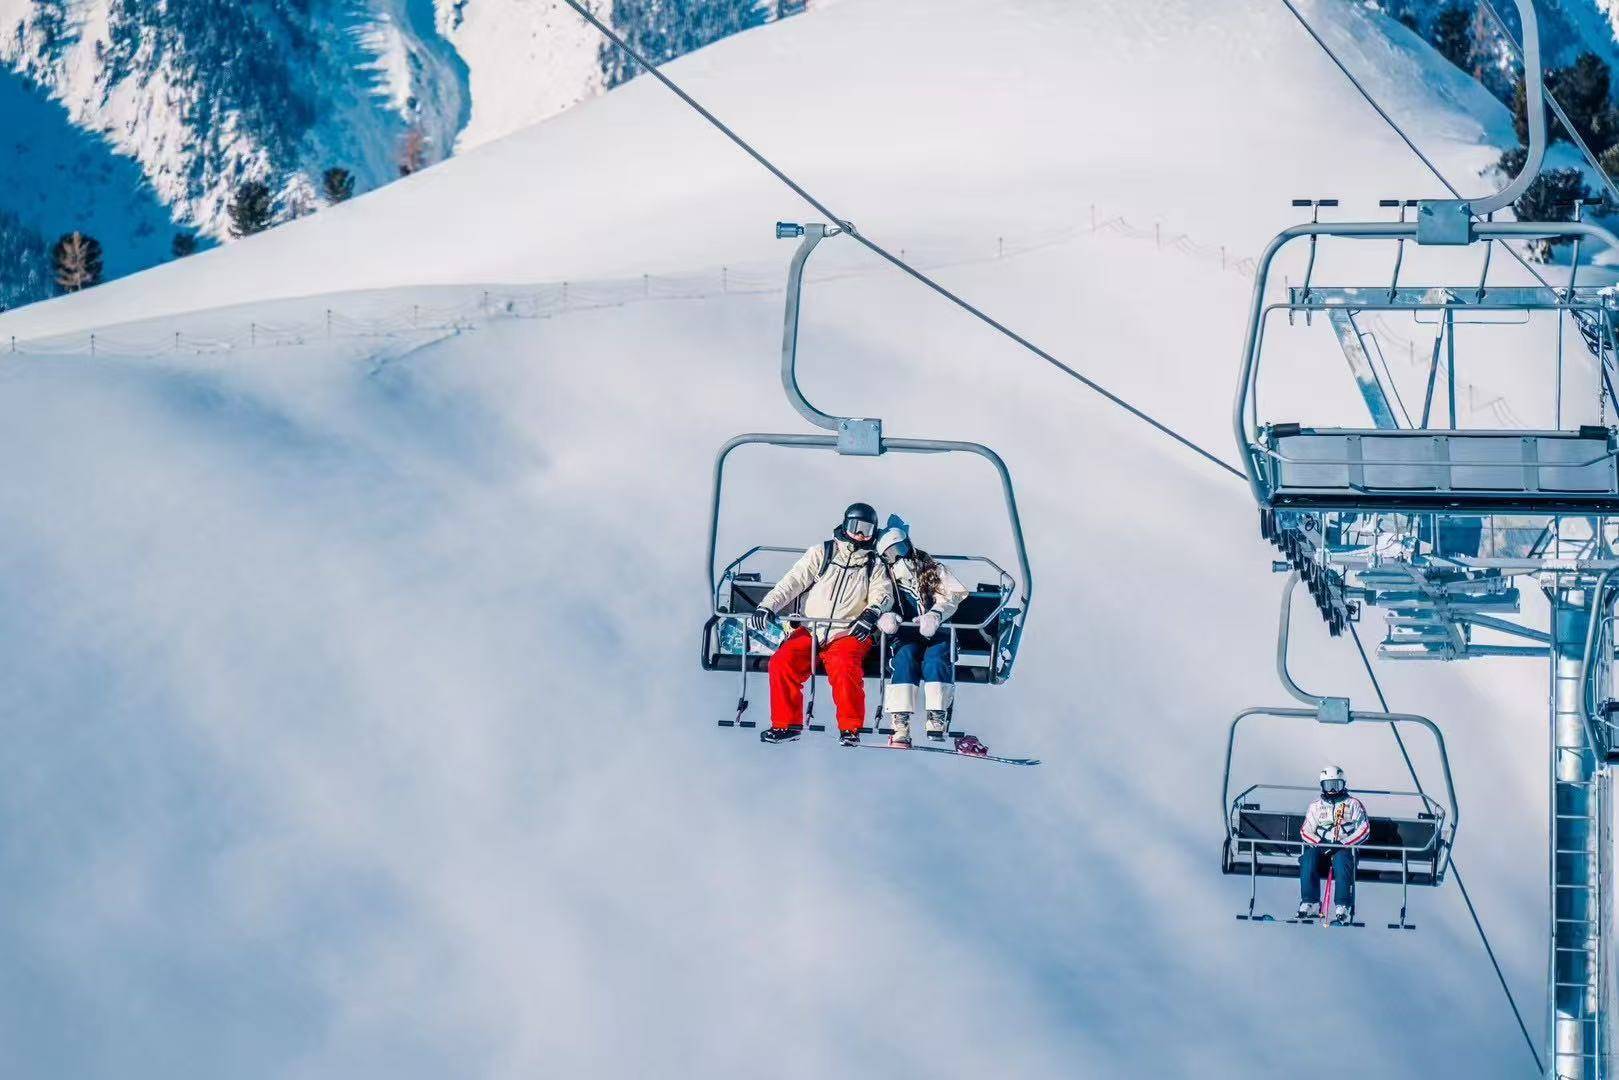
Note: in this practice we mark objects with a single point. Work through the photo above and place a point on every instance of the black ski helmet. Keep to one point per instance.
(859, 524)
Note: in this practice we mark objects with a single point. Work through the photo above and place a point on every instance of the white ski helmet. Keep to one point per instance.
(894, 538)
(1333, 784)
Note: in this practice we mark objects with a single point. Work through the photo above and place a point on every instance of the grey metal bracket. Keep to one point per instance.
(1329, 710)
(857, 436)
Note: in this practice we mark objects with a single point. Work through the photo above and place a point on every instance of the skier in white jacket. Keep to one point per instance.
(926, 594)
(1336, 818)
(843, 588)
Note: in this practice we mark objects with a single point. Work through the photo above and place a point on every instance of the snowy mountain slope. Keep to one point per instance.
(358, 680)
(203, 96)
(530, 61)
(200, 97)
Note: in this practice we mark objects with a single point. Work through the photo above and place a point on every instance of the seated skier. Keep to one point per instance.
(845, 589)
(1336, 818)
(926, 594)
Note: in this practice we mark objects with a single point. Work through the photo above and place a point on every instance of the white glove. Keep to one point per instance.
(928, 624)
(889, 623)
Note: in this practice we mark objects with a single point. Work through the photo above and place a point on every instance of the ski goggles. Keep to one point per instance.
(860, 529)
(1333, 787)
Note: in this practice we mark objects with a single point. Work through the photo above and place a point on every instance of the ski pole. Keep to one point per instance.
(882, 684)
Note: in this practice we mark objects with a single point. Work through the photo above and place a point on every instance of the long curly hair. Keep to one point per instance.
(929, 578)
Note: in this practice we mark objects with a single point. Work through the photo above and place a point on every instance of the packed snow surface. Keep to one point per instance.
(352, 685)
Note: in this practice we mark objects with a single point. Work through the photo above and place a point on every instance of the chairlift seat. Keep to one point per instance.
(984, 654)
(1271, 839)
(1421, 471)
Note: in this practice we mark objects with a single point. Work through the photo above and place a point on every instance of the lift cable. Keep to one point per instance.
(1001, 328)
(882, 252)
(1455, 870)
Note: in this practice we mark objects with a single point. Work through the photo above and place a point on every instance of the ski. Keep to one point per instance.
(913, 749)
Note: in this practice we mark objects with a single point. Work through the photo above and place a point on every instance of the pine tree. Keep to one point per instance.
(25, 263)
(185, 243)
(1610, 161)
(252, 210)
(412, 151)
(1551, 197)
(338, 183)
(1452, 35)
(1520, 111)
(664, 29)
(1583, 90)
(77, 259)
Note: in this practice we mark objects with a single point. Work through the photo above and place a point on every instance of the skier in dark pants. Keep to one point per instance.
(927, 594)
(1337, 817)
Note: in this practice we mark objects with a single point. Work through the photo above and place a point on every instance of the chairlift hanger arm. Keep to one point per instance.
(1284, 629)
(812, 235)
(1534, 94)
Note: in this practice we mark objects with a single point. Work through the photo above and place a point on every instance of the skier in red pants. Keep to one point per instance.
(842, 588)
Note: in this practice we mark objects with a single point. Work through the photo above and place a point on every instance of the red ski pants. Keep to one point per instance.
(843, 660)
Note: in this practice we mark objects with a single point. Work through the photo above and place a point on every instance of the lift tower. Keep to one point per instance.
(1443, 523)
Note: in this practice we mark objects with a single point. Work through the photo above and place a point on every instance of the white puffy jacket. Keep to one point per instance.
(951, 592)
(1343, 821)
(855, 580)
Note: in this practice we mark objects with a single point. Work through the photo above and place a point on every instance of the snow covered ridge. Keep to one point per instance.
(200, 97)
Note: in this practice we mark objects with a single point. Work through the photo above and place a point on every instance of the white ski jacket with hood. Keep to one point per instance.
(854, 580)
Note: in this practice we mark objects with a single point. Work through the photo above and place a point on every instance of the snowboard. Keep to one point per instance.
(916, 749)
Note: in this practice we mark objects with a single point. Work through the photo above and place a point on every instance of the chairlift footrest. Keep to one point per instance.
(727, 723)
(816, 727)
(747, 723)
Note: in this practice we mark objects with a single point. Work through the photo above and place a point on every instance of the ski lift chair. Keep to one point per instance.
(1410, 840)
(985, 632)
(1411, 832)
(1424, 468)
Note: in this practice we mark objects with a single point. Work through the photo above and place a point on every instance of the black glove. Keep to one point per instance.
(760, 619)
(865, 626)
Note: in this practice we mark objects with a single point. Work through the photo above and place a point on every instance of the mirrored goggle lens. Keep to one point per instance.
(862, 529)
(1332, 787)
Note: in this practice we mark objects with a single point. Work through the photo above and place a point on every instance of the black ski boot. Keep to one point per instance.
(774, 735)
(848, 738)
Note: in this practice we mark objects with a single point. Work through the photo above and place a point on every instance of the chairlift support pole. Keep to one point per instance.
(1576, 887)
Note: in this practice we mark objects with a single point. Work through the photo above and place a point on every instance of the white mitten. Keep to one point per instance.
(928, 624)
(888, 623)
